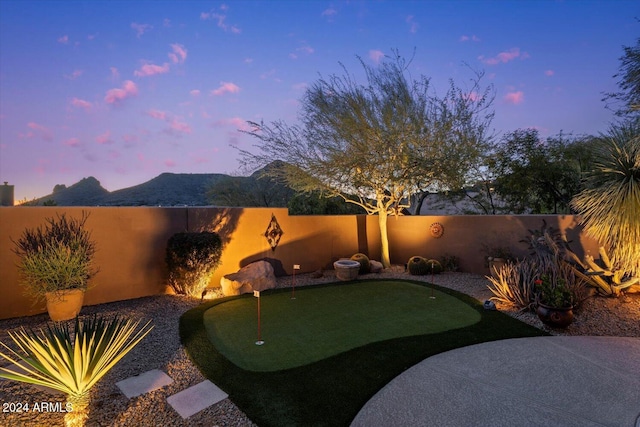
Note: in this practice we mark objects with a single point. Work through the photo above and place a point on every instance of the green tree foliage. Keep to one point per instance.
(257, 190)
(610, 203)
(626, 101)
(313, 203)
(535, 175)
(379, 142)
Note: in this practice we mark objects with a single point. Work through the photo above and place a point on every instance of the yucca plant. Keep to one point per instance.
(70, 363)
(610, 204)
(514, 285)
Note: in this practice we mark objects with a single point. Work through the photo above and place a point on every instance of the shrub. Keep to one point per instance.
(434, 266)
(191, 258)
(418, 266)
(365, 265)
(514, 284)
(57, 256)
(450, 262)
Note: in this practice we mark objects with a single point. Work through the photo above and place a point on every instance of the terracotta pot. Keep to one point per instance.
(64, 305)
(555, 317)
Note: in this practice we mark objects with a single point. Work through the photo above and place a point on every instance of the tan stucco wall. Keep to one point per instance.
(131, 243)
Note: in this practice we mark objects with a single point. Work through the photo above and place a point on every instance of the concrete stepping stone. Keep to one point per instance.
(18, 369)
(196, 398)
(144, 383)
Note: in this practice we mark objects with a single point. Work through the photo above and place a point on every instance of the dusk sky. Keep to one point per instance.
(126, 90)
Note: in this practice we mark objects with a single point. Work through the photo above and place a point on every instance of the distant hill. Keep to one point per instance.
(167, 189)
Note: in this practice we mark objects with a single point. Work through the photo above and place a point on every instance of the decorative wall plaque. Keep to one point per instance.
(273, 233)
(437, 230)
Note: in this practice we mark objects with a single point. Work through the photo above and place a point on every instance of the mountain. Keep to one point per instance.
(167, 189)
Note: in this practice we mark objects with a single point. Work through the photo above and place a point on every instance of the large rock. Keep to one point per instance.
(257, 276)
(376, 266)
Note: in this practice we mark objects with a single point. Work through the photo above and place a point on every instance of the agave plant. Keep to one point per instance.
(514, 284)
(72, 365)
(610, 205)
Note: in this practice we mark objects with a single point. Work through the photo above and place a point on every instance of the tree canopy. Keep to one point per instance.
(375, 144)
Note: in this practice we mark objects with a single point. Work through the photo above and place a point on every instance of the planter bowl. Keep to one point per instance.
(555, 317)
(346, 269)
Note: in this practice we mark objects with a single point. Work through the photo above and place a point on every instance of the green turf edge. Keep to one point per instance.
(332, 391)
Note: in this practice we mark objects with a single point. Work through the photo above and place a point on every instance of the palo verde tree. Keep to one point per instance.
(375, 144)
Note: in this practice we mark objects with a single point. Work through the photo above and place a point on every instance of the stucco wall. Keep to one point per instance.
(131, 243)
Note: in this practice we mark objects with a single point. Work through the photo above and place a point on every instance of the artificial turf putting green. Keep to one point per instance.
(322, 322)
(331, 391)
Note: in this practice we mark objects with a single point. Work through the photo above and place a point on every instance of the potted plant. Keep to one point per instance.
(56, 263)
(555, 302)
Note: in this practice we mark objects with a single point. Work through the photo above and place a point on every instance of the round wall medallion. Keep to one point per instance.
(437, 230)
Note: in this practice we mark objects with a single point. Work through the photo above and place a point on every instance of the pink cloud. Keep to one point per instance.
(549, 73)
(473, 96)
(413, 26)
(505, 57)
(140, 28)
(64, 39)
(465, 38)
(41, 131)
(330, 12)
(104, 138)
(169, 163)
(225, 87)
(72, 142)
(178, 54)
(160, 115)
(118, 95)
(235, 122)
(195, 92)
(129, 139)
(81, 103)
(151, 69)
(514, 97)
(115, 74)
(220, 19)
(376, 55)
(74, 75)
(178, 126)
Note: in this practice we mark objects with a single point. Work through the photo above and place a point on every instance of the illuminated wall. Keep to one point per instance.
(131, 243)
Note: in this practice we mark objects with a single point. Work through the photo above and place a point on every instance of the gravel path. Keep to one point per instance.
(161, 349)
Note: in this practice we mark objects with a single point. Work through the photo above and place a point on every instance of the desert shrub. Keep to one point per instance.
(450, 262)
(514, 284)
(191, 258)
(56, 256)
(365, 265)
(434, 266)
(418, 266)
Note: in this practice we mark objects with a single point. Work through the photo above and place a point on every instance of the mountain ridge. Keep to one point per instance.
(166, 189)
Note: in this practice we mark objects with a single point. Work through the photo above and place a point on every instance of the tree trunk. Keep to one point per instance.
(384, 239)
(77, 410)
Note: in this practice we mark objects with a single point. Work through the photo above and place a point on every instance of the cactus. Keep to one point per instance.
(434, 266)
(418, 266)
(365, 265)
(606, 279)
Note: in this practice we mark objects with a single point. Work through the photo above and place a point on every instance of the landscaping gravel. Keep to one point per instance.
(161, 349)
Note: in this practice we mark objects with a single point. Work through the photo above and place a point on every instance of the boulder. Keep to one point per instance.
(376, 266)
(257, 276)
